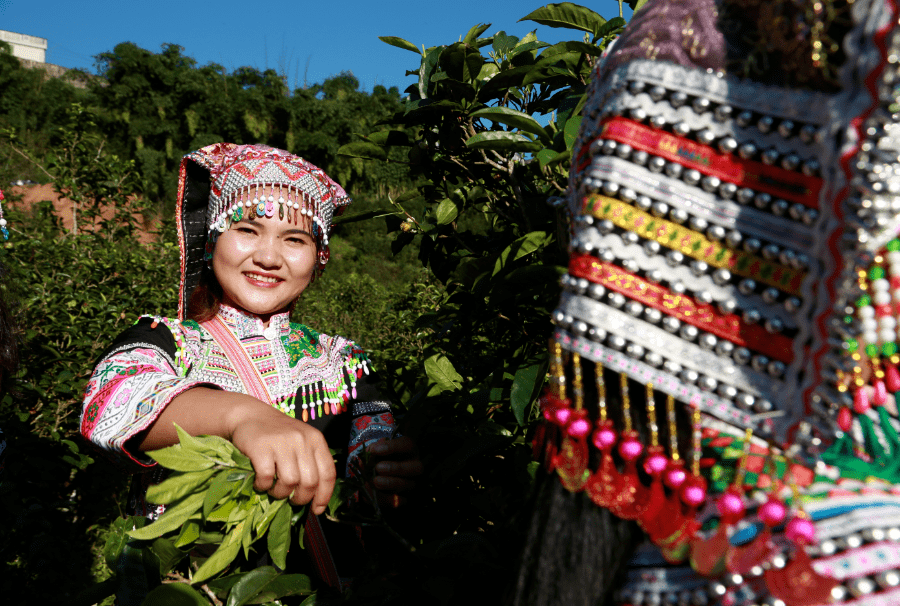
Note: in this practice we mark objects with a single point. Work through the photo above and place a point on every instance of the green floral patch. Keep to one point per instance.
(301, 342)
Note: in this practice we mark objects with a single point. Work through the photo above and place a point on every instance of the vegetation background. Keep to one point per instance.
(445, 271)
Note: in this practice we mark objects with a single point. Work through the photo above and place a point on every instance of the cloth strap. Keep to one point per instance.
(256, 387)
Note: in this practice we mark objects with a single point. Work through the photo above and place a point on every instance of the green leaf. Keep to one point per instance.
(174, 594)
(222, 513)
(173, 518)
(266, 584)
(222, 557)
(400, 43)
(503, 43)
(568, 15)
(118, 537)
(279, 537)
(549, 157)
(193, 444)
(179, 459)
(363, 149)
(446, 212)
(178, 485)
(526, 385)
(167, 554)
(573, 126)
(514, 118)
(440, 371)
(525, 245)
(217, 489)
(263, 523)
(190, 532)
(471, 38)
(502, 141)
(426, 69)
(636, 4)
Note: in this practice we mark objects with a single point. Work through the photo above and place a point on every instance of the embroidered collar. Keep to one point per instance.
(245, 325)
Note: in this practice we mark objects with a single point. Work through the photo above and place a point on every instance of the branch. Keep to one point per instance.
(490, 162)
(32, 160)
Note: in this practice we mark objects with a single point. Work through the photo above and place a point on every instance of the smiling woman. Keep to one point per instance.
(253, 228)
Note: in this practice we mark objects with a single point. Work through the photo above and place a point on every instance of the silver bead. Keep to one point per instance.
(689, 376)
(810, 215)
(616, 342)
(654, 275)
(872, 535)
(788, 257)
(609, 147)
(643, 202)
(658, 121)
(717, 589)
(597, 334)
(678, 288)
(744, 118)
(716, 232)
(657, 93)
(827, 547)
(745, 195)
(639, 156)
(623, 150)
(688, 332)
(790, 162)
(660, 209)
(796, 211)
(727, 306)
(681, 128)
(751, 316)
(652, 315)
(774, 326)
(807, 133)
(635, 351)
(734, 238)
(770, 251)
(861, 587)
(633, 308)
(610, 188)
(672, 367)
(728, 392)
(744, 401)
(722, 113)
(839, 593)
(605, 226)
(776, 368)
(678, 215)
(704, 296)
(653, 359)
(710, 184)
(780, 207)
(762, 405)
(692, 177)
(706, 137)
(638, 114)
(627, 194)
(629, 237)
(674, 169)
(727, 145)
(888, 578)
(752, 245)
(762, 200)
(596, 291)
(778, 561)
(792, 304)
(581, 285)
(606, 255)
(765, 124)
(893, 534)
(698, 268)
(802, 261)
(616, 299)
(747, 151)
(770, 156)
(701, 104)
(678, 98)
(580, 327)
(698, 223)
(707, 341)
(652, 247)
(635, 87)
(728, 190)
(747, 286)
(721, 276)
(656, 164)
(850, 541)
(596, 147)
(770, 295)
(786, 128)
(673, 258)
(671, 324)
(558, 317)
(811, 168)
(742, 355)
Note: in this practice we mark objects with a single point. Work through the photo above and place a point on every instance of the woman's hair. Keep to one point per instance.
(206, 297)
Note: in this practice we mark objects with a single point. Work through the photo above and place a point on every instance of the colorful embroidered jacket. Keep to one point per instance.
(320, 379)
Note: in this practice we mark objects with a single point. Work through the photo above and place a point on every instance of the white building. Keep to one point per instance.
(25, 46)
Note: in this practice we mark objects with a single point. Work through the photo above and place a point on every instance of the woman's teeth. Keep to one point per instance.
(260, 278)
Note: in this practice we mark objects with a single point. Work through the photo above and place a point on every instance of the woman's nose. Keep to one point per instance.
(267, 254)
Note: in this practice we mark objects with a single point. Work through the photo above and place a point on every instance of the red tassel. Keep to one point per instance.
(601, 486)
(655, 465)
(798, 583)
(572, 461)
(631, 500)
(860, 401)
(845, 419)
(892, 378)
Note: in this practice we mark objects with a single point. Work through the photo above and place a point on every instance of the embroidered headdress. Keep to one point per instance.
(222, 182)
(735, 196)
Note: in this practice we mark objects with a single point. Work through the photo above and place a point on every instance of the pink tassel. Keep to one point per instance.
(881, 395)
(860, 401)
(893, 378)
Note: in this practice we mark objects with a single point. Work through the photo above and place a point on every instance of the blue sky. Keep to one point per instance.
(301, 39)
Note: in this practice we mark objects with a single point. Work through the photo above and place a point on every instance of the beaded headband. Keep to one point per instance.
(735, 262)
(222, 183)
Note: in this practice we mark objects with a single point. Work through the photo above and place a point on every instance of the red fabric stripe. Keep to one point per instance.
(706, 317)
(774, 180)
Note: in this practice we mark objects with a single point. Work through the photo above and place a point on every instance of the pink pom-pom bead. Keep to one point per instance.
(631, 449)
(693, 494)
(579, 428)
(562, 415)
(801, 531)
(731, 506)
(892, 378)
(861, 401)
(845, 419)
(675, 477)
(772, 512)
(881, 396)
(604, 438)
(655, 464)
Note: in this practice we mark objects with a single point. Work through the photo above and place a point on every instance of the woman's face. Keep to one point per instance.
(264, 264)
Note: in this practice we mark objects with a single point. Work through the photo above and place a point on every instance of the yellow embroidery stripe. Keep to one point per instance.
(693, 244)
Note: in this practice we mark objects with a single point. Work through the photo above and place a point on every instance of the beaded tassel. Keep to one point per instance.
(571, 463)
(601, 486)
(655, 465)
(631, 500)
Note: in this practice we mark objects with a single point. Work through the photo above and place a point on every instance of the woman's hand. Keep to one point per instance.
(397, 464)
(290, 457)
